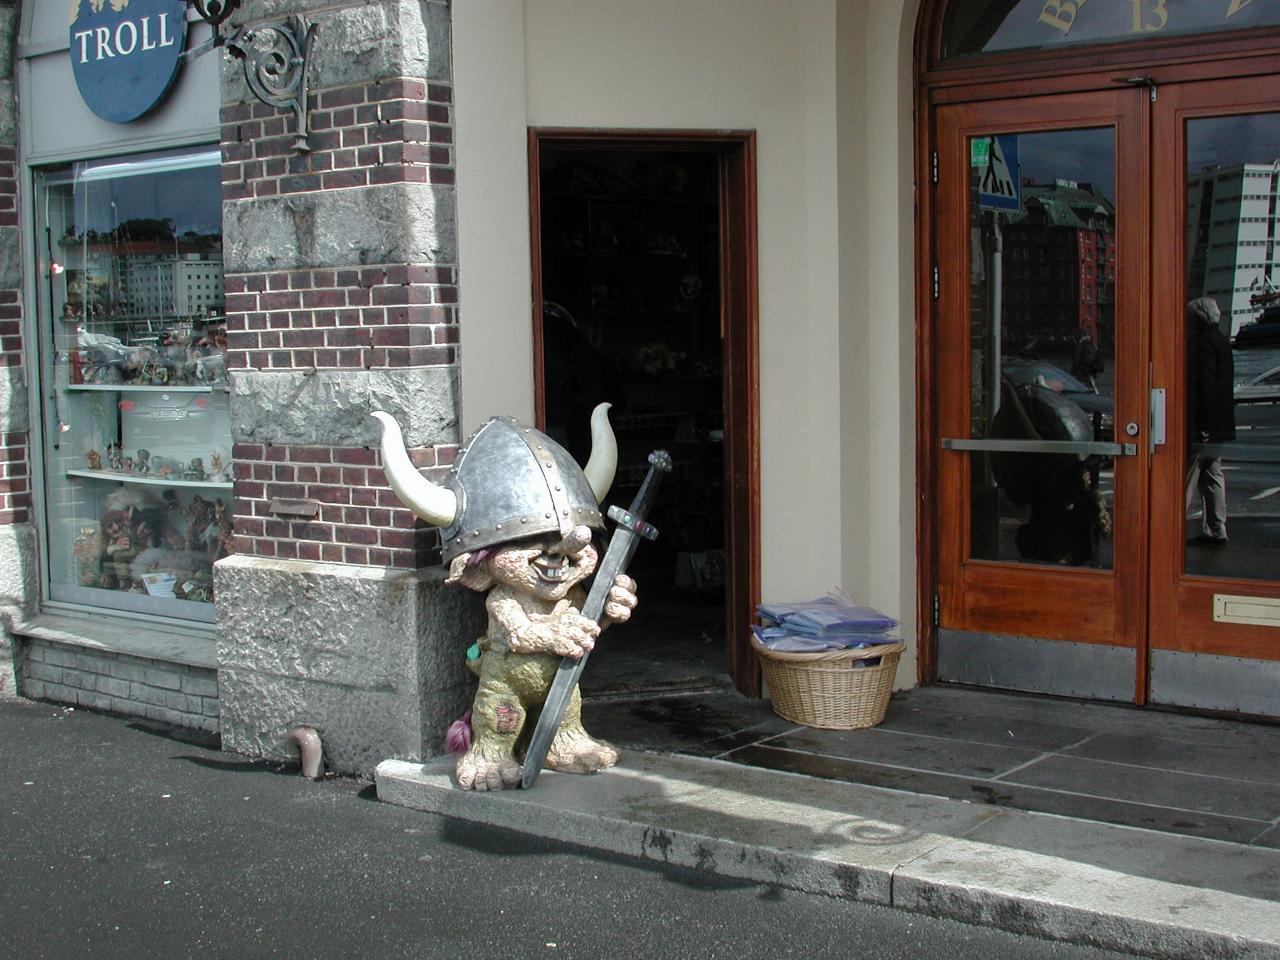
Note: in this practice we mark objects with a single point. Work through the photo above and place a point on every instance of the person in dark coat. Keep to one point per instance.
(1211, 415)
(1086, 364)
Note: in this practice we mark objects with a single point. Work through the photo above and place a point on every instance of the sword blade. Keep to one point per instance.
(622, 548)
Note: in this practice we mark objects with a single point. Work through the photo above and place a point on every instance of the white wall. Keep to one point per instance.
(837, 458)
(879, 445)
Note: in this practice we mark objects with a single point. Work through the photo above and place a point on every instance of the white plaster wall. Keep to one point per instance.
(495, 276)
(878, 319)
(827, 86)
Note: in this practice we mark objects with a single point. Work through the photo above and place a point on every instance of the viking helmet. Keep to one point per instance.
(509, 481)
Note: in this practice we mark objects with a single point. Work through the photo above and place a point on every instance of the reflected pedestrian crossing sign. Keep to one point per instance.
(996, 160)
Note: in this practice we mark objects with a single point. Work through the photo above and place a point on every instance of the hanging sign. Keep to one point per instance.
(125, 54)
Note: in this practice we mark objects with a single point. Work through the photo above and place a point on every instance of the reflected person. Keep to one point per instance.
(1210, 416)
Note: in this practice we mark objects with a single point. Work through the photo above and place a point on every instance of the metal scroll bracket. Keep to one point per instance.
(275, 66)
(215, 13)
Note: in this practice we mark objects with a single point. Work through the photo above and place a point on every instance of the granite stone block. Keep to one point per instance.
(389, 223)
(357, 43)
(373, 659)
(332, 408)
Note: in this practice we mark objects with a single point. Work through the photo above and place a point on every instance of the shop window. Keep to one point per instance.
(137, 438)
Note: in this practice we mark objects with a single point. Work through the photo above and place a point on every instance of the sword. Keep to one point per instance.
(631, 528)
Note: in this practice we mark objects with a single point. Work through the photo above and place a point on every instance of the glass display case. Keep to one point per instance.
(137, 434)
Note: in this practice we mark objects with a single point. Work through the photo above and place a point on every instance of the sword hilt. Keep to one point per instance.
(659, 465)
(633, 523)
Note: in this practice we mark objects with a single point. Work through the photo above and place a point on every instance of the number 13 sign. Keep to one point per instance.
(1149, 16)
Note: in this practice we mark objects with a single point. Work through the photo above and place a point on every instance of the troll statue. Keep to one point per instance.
(517, 517)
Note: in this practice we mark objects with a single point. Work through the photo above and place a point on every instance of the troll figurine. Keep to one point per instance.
(517, 518)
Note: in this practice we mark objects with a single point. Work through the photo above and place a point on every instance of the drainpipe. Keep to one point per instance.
(310, 750)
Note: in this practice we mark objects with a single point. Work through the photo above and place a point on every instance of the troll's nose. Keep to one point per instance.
(576, 540)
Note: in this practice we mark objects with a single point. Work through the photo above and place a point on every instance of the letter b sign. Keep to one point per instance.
(125, 54)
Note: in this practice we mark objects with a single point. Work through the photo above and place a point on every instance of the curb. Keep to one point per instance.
(917, 853)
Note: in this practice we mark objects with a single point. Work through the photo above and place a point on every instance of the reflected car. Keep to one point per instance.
(1263, 332)
(1020, 370)
(1264, 388)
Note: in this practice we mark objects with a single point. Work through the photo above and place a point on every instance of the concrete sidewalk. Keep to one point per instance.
(1142, 891)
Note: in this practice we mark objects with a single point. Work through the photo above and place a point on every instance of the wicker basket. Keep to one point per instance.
(828, 690)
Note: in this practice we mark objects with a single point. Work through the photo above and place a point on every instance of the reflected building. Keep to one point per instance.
(1059, 268)
(187, 285)
(143, 279)
(1231, 237)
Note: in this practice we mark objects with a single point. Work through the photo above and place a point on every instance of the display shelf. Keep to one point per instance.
(120, 320)
(150, 387)
(151, 481)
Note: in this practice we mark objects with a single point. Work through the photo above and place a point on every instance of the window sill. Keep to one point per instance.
(123, 636)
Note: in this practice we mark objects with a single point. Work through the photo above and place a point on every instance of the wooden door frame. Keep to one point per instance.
(739, 323)
(1076, 604)
(1031, 73)
(1182, 618)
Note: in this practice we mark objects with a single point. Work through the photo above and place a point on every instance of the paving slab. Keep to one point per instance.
(1005, 793)
(1061, 878)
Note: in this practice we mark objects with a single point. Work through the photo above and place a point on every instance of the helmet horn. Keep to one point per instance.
(429, 501)
(603, 462)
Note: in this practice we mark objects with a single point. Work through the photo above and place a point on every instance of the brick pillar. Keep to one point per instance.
(17, 540)
(341, 283)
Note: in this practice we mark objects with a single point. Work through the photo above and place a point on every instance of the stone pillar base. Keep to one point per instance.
(17, 597)
(373, 659)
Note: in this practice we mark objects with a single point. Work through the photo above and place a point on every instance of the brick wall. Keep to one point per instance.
(360, 519)
(15, 491)
(398, 316)
(172, 693)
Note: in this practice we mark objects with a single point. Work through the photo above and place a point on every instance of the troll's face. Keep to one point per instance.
(546, 567)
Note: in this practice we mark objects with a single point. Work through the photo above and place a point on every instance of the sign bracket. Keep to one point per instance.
(275, 57)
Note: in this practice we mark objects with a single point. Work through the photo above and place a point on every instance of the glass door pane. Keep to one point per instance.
(1042, 297)
(1232, 466)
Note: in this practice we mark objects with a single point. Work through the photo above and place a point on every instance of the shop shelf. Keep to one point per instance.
(152, 481)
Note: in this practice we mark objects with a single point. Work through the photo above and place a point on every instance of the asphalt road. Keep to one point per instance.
(120, 841)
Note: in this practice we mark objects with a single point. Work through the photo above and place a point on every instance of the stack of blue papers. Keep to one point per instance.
(832, 622)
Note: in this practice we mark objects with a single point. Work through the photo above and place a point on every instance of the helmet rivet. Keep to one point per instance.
(565, 512)
(498, 527)
(548, 516)
(557, 486)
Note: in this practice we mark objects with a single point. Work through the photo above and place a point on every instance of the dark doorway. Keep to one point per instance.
(631, 280)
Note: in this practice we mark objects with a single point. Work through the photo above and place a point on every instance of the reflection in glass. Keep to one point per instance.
(994, 26)
(1233, 347)
(1042, 342)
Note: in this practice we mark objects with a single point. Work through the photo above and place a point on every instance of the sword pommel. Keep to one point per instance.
(661, 460)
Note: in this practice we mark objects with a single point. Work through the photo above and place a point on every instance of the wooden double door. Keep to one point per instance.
(1091, 535)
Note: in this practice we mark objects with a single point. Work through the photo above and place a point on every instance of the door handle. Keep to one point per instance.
(1084, 447)
(1156, 436)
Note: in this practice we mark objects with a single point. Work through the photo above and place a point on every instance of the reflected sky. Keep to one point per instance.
(1085, 156)
(191, 198)
(1088, 156)
(1231, 141)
